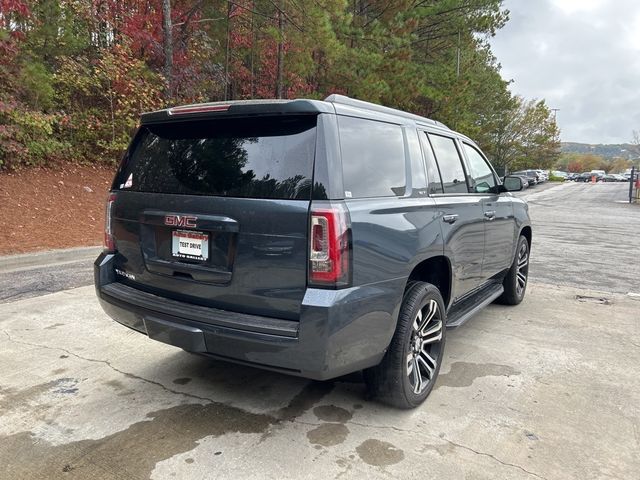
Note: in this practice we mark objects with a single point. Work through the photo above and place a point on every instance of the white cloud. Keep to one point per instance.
(583, 57)
(573, 6)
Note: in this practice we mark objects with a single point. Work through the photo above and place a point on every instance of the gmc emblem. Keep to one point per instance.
(180, 221)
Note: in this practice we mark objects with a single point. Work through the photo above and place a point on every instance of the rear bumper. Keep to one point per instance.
(339, 331)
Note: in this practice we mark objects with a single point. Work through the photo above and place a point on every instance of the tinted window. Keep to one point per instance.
(418, 177)
(373, 158)
(449, 163)
(257, 158)
(481, 176)
(435, 182)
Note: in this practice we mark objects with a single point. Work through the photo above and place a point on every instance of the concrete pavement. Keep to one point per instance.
(547, 389)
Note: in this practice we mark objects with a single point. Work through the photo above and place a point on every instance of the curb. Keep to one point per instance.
(26, 261)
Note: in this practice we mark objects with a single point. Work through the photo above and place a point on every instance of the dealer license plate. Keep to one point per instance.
(189, 244)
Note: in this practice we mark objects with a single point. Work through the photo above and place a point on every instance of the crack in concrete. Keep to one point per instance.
(458, 445)
(115, 369)
(493, 457)
(293, 419)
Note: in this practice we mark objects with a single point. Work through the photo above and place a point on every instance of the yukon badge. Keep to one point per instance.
(180, 221)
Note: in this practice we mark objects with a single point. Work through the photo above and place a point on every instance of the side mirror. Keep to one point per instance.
(512, 183)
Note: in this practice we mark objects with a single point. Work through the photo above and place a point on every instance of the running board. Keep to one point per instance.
(468, 308)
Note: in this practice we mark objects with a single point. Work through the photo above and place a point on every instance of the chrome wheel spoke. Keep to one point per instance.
(434, 334)
(523, 261)
(433, 309)
(409, 364)
(417, 377)
(427, 362)
(522, 279)
(417, 321)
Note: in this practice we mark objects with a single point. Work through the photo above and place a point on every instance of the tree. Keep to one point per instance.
(526, 136)
(167, 42)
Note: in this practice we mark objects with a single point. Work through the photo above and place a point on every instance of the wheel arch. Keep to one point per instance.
(527, 233)
(436, 271)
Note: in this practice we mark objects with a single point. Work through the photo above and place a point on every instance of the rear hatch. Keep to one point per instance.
(214, 212)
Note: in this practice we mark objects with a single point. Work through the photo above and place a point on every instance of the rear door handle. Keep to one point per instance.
(490, 214)
(450, 218)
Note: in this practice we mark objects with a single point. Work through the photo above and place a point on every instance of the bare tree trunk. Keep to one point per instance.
(227, 83)
(280, 67)
(253, 54)
(168, 46)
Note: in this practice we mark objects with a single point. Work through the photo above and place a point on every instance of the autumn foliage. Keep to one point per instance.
(76, 74)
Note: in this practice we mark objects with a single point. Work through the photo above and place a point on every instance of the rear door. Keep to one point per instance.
(461, 214)
(215, 212)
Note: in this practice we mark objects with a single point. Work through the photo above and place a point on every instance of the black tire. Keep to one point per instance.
(517, 278)
(393, 381)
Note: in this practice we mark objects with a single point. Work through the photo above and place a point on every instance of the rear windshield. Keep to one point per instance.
(266, 157)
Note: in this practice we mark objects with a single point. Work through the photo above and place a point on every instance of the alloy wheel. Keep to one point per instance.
(424, 346)
(523, 268)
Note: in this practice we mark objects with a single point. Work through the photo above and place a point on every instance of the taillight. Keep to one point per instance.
(109, 240)
(329, 246)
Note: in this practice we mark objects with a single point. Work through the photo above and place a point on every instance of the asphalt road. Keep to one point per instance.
(585, 235)
(546, 390)
(32, 275)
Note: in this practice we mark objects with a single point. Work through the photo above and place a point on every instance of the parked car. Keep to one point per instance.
(530, 174)
(524, 181)
(609, 178)
(313, 238)
(587, 177)
(542, 176)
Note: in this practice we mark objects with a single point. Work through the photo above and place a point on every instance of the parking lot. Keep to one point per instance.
(544, 390)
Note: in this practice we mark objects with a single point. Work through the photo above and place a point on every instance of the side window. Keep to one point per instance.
(481, 176)
(373, 158)
(433, 174)
(449, 164)
(418, 177)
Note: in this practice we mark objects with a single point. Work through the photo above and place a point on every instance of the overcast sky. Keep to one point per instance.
(583, 57)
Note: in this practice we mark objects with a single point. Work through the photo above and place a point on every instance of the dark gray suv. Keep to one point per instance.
(315, 238)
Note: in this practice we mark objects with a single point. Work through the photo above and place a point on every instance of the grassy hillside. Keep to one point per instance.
(624, 150)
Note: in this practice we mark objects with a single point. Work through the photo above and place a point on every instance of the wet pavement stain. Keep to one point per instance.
(11, 398)
(328, 434)
(311, 394)
(182, 381)
(130, 453)
(378, 453)
(462, 374)
(115, 384)
(120, 388)
(331, 413)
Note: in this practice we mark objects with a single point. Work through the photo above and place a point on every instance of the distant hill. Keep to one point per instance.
(624, 150)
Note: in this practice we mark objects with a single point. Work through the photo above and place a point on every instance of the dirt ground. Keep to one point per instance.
(47, 208)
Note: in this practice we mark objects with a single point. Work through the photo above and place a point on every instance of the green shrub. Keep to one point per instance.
(29, 137)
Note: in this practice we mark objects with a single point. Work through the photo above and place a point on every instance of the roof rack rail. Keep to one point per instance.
(352, 102)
